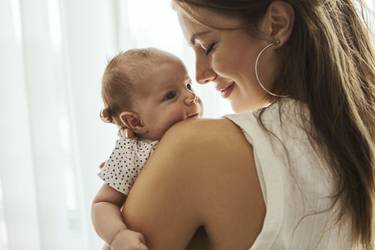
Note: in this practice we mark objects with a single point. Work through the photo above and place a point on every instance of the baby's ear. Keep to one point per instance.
(131, 120)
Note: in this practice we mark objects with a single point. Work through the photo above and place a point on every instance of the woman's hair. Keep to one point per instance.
(328, 63)
(120, 79)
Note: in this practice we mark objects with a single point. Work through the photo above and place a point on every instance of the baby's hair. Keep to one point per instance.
(120, 79)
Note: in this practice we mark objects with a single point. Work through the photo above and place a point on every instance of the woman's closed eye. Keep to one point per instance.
(170, 96)
(209, 49)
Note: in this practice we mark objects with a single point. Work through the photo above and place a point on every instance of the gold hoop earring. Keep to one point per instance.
(275, 42)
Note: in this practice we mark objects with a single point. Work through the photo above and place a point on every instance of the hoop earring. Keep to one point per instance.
(275, 42)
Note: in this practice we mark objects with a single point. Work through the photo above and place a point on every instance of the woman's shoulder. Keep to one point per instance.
(205, 170)
(216, 142)
(203, 131)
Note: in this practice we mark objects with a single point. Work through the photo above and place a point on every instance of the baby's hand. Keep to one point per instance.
(128, 240)
(106, 247)
(101, 165)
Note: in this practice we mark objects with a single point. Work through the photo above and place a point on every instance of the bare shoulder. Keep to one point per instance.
(204, 132)
(211, 126)
(202, 174)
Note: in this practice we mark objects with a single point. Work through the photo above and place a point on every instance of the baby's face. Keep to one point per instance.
(168, 98)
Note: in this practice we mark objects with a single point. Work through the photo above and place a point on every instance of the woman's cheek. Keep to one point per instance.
(221, 65)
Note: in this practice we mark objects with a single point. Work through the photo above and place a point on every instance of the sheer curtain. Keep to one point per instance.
(53, 54)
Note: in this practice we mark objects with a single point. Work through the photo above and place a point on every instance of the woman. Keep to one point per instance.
(294, 169)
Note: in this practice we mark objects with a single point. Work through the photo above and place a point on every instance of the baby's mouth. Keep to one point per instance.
(192, 115)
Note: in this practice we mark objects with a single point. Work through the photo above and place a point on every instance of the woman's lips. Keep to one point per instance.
(227, 90)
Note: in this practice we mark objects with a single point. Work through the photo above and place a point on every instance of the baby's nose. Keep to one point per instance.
(191, 99)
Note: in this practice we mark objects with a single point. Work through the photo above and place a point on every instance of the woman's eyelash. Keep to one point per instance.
(208, 50)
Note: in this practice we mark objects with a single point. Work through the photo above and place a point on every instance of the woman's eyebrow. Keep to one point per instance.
(198, 34)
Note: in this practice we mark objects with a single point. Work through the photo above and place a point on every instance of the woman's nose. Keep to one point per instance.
(203, 71)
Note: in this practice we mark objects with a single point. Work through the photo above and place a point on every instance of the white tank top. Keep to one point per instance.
(296, 186)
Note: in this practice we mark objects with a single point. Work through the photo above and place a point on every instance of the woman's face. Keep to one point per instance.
(227, 58)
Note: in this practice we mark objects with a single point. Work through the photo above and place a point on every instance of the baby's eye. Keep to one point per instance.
(169, 96)
(189, 87)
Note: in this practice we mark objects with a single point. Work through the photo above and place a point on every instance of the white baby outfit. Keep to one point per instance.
(126, 162)
(296, 186)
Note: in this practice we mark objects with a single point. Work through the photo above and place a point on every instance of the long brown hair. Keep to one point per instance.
(328, 64)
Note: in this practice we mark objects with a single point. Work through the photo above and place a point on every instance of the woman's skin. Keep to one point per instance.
(189, 182)
(202, 174)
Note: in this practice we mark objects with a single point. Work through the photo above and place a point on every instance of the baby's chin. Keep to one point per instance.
(193, 116)
(159, 133)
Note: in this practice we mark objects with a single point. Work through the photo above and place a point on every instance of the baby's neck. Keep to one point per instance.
(145, 137)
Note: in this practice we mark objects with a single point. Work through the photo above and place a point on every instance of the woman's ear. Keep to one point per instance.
(278, 22)
(131, 121)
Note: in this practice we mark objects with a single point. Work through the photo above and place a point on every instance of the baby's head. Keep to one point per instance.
(147, 91)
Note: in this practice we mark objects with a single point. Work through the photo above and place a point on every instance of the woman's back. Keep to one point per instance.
(296, 184)
(218, 188)
(201, 175)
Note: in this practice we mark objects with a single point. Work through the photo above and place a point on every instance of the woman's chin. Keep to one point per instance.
(236, 108)
(240, 107)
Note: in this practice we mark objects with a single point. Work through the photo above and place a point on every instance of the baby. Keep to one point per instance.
(145, 91)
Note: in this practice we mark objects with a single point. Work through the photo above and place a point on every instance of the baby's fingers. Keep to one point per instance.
(141, 246)
(142, 242)
(101, 165)
(106, 247)
(129, 240)
(141, 238)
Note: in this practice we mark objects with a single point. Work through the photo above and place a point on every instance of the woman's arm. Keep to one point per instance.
(201, 174)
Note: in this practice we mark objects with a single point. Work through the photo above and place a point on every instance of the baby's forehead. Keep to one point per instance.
(160, 74)
(142, 66)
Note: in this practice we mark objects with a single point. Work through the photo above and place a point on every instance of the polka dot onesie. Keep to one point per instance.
(126, 162)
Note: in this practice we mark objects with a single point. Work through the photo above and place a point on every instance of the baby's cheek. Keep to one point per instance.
(172, 119)
(160, 131)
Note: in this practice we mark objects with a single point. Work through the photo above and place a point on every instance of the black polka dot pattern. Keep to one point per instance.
(126, 162)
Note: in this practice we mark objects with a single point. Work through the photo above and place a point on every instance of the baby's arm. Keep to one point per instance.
(108, 222)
